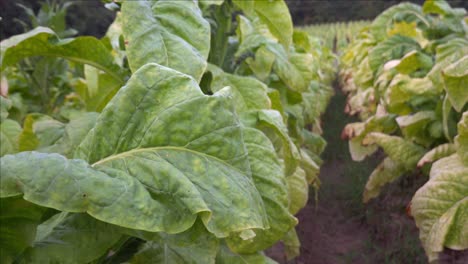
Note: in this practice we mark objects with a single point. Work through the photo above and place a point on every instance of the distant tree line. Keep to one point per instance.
(305, 12)
(90, 17)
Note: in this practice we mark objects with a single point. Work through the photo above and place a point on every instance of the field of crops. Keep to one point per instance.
(192, 132)
(406, 76)
(336, 36)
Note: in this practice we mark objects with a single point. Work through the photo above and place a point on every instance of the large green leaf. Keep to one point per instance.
(298, 190)
(9, 136)
(456, 82)
(295, 70)
(383, 21)
(401, 151)
(252, 35)
(249, 93)
(414, 60)
(292, 245)
(170, 33)
(403, 91)
(392, 48)
(447, 53)
(437, 153)
(408, 30)
(440, 207)
(184, 121)
(272, 120)
(44, 42)
(310, 167)
(262, 63)
(195, 246)
(160, 107)
(111, 194)
(356, 132)
(270, 182)
(184, 156)
(71, 238)
(18, 223)
(414, 127)
(437, 7)
(274, 14)
(386, 172)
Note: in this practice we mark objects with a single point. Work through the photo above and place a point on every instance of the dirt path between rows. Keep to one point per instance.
(327, 234)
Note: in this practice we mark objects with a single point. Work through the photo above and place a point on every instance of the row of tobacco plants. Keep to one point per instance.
(190, 133)
(406, 76)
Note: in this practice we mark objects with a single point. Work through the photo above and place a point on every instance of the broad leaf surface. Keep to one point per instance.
(383, 21)
(298, 190)
(392, 48)
(184, 124)
(456, 82)
(398, 149)
(270, 182)
(296, 71)
(272, 120)
(71, 238)
(413, 61)
(195, 246)
(437, 153)
(274, 14)
(9, 136)
(170, 33)
(18, 224)
(414, 127)
(386, 172)
(249, 93)
(292, 245)
(356, 132)
(164, 162)
(440, 207)
(262, 64)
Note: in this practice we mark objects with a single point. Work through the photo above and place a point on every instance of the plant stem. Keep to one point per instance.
(220, 34)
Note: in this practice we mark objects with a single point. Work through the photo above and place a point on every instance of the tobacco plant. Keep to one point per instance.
(406, 76)
(195, 140)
